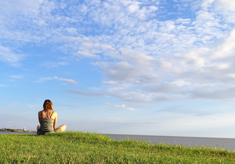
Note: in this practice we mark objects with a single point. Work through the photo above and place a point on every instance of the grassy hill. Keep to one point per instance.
(78, 147)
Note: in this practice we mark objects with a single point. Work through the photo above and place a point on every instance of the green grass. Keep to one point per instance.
(78, 147)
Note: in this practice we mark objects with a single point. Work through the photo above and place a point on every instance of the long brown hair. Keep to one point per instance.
(47, 105)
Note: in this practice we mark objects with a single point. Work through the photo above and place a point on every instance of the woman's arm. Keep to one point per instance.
(39, 116)
(55, 119)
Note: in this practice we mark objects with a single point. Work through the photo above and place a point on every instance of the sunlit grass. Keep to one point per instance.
(78, 147)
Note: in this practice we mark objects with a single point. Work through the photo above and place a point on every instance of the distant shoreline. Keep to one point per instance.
(16, 130)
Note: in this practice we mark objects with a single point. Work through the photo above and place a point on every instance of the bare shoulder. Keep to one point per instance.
(54, 114)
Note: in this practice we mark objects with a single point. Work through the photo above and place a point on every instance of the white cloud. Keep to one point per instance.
(183, 21)
(72, 30)
(223, 66)
(133, 7)
(227, 48)
(206, 4)
(17, 17)
(193, 74)
(116, 85)
(120, 106)
(87, 54)
(6, 55)
(139, 66)
(126, 95)
(226, 94)
(117, 71)
(25, 7)
(227, 4)
(134, 48)
(124, 107)
(135, 57)
(162, 88)
(180, 82)
(93, 94)
(119, 28)
(194, 58)
(50, 64)
(67, 81)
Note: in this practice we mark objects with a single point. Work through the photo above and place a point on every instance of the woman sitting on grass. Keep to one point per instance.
(48, 119)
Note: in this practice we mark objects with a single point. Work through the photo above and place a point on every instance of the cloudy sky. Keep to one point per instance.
(150, 67)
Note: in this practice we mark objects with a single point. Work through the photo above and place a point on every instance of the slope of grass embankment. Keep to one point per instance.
(78, 147)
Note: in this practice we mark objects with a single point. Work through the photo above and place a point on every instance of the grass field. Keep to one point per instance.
(78, 147)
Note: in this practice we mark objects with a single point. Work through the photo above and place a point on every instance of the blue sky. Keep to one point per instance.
(150, 67)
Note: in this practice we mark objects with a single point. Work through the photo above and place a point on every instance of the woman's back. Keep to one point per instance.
(48, 119)
(46, 122)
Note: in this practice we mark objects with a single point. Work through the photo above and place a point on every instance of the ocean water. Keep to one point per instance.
(3, 132)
